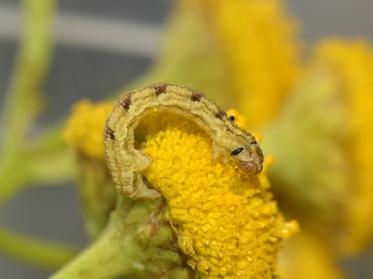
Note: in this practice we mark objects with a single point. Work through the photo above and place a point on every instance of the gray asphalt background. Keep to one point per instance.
(53, 213)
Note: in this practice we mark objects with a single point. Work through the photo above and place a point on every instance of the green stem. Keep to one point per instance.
(48, 159)
(97, 194)
(23, 100)
(45, 161)
(111, 255)
(136, 242)
(12, 178)
(41, 253)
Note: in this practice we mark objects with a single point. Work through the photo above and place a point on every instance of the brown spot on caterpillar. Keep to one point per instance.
(109, 133)
(231, 118)
(221, 114)
(254, 142)
(126, 102)
(160, 88)
(196, 96)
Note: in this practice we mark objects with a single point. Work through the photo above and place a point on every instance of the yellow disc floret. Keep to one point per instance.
(228, 227)
(84, 128)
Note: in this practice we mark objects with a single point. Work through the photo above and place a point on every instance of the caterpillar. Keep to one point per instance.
(126, 163)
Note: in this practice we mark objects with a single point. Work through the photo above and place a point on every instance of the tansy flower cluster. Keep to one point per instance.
(227, 227)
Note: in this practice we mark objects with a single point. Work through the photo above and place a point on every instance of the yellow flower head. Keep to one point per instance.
(352, 65)
(84, 128)
(228, 227)
(258, 43)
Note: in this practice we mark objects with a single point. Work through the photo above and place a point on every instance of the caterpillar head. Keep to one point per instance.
(249, 157)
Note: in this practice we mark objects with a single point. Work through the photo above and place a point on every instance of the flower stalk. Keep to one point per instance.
(136, 243)
(23, 99)
(97, 193)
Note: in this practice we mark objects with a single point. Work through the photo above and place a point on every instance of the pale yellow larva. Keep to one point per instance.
(126, 162)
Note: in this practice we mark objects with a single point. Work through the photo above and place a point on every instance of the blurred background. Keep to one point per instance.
(101, 46)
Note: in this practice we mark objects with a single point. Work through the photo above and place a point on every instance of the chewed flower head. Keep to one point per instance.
(351, 63)
(84, 128)
(228, 227)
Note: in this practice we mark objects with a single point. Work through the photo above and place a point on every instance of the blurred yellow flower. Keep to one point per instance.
(322, 145)
(258, 41)
(228, 227)
(351, 63)
(304, 256)
(84, 128)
